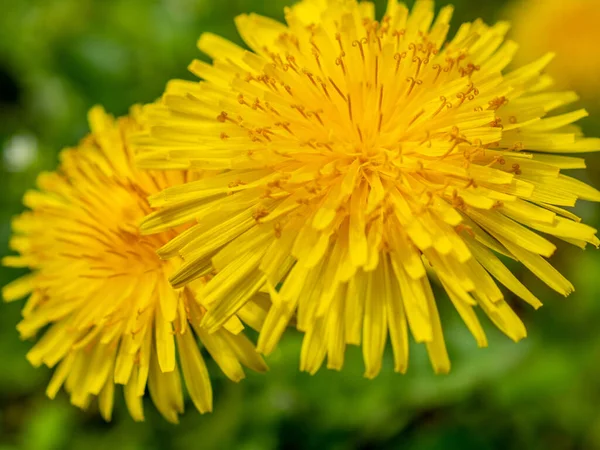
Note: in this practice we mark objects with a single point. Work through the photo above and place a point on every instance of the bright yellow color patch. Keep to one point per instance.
(113, 316)
(567, 27)
(353, 154)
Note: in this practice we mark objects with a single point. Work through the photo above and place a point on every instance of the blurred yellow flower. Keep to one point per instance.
(568, 27)
(113, 317)
(356, 154)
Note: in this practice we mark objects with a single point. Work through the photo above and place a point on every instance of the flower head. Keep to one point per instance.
(104, 294)
(569, 28)
(353, 155)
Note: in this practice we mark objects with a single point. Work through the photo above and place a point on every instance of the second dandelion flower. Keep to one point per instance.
(97, 283)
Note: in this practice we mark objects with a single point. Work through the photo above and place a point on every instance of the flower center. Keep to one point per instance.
(362, 102)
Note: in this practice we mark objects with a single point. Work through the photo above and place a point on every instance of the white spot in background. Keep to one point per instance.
(282, 400)
(19, 152)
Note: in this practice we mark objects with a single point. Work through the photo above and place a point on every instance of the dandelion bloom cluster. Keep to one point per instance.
(102, 292)
(352, 158)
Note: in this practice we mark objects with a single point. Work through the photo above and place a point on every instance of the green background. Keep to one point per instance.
(57, 59)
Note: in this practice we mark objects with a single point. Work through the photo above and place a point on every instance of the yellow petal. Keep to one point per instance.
(195, 373)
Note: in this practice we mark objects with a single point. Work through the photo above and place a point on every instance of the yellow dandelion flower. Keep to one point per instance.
(569, 28)
(104, 294)
(356, 154)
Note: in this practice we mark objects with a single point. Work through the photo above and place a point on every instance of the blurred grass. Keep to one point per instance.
(57, 59)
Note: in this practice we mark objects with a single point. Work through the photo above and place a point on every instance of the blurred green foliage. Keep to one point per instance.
(60, 57)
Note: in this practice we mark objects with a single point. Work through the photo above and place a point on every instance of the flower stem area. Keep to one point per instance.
(59, 58)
